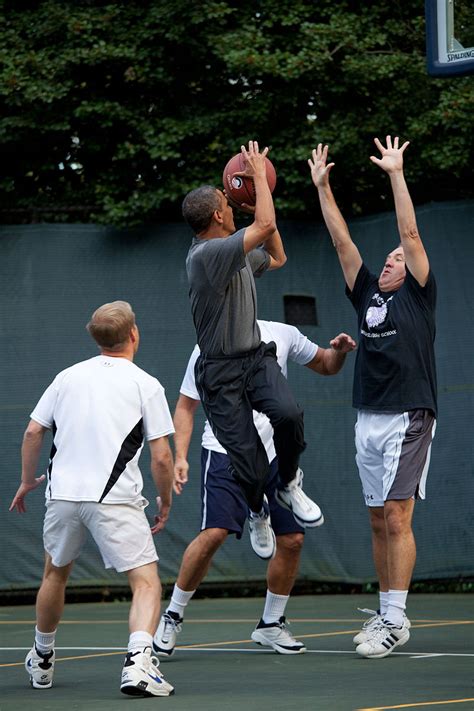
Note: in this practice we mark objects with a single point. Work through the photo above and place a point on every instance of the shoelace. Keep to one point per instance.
(261, 529)
(373, 616)
(171, 622)
(153, 663)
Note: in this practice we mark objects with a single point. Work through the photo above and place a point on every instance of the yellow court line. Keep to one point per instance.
(68, 659)
(421, 703)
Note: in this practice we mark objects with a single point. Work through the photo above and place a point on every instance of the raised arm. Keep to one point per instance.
(162, 473)
(391, 162)
(329, 361)
(263, 228)
(349, 256)
(183, 421)
(30, 453)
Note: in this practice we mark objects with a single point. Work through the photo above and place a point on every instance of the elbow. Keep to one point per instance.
(410, 233)
(267, 228)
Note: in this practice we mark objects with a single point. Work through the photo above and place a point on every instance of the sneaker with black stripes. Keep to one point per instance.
(383, 640)
(277, 636)
(40, 668)
(370, 624)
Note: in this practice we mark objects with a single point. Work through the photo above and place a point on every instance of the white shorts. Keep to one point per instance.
(393, 454)
(121, 532)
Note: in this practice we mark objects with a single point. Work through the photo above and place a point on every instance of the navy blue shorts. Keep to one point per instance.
(223, 503)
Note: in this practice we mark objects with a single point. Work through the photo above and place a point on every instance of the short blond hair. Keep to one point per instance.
(110, 325)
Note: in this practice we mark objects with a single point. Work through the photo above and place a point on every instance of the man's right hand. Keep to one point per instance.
(181, 469)
(254, 161)
(319, 170)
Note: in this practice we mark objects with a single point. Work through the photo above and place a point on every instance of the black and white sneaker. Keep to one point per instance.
(277, 636)
(165, 637)
(369, 625)
(305, 511)
(40, 668)
(262, 535)
(383, 640)
(141, 676)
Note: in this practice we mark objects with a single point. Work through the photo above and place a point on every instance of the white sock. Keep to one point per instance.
(179, 600)
(396, 606)
(383, 602)
(139, 640)
(44, 641)
(274, 607)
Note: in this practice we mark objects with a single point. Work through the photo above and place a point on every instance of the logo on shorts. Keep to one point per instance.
(369, 497)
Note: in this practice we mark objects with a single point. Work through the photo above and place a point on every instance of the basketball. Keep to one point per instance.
(240, 189)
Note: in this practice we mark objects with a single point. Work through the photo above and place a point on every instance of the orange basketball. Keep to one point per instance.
(241, 189)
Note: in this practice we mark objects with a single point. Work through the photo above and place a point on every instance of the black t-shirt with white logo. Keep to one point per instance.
(395, 366)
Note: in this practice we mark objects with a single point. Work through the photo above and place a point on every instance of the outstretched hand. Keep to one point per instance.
(319, 170)
(392, 157)
(18, 501)
(343, 343)
(254, 160)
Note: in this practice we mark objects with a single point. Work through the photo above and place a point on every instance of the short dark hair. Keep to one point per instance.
(199, 205)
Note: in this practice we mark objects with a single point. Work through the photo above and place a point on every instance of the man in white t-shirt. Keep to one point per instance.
(224, 508)
(100, 411)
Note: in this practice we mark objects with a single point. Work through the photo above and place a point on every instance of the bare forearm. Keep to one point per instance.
(333, 361)
(30, 454)
(264, 208)
(183, 424)
(405, 211)
(163, 476)
(333, 218)
(276, 250)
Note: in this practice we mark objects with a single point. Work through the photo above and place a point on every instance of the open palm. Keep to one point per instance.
(392, 157)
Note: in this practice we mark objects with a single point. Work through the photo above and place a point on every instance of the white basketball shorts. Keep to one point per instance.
(121, 532)
(393, 454)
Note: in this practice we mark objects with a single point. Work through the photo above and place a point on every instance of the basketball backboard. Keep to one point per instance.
(450, 37)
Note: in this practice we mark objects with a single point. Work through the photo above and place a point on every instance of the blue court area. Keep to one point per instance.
(216, 666)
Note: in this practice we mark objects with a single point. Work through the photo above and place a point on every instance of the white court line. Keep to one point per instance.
(413, 655)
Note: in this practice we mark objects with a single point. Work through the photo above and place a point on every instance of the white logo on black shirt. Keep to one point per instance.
(377, 314)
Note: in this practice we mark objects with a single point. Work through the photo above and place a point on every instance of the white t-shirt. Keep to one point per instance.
(100, 412)
(290, 343)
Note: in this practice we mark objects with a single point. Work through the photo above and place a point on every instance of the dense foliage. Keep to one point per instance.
(117, 109)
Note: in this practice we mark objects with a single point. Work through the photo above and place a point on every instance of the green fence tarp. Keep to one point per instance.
(54, 276)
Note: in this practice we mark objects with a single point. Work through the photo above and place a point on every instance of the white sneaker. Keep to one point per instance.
(370, 624)
(40, 667)
(277, 636)
(169, 628)
(383, 640)
(304, 510)
(262, 535)
(141, 676)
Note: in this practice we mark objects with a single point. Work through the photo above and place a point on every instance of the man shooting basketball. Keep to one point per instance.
(394, 390)
(236, 372)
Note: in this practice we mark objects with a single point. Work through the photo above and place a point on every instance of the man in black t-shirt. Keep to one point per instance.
(394, 390)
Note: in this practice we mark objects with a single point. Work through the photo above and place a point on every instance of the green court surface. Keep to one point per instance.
(216, 666)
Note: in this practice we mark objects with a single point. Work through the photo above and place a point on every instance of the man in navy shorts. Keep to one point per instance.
(224, 508)
(394, 391)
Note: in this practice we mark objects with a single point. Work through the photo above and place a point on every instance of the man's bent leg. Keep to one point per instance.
(39, 662)
(146, 594)
(196, 561)
(50, 598)
(198, 557)
(140, 673)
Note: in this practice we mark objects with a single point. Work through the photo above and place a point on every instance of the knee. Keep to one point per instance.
(377, 523)
(290, 543)
(396, 522)
(213, 538)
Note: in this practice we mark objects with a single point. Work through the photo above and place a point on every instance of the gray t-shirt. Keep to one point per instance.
(222, 293)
